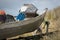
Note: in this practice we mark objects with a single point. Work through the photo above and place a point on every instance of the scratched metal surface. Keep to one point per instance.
(16, 28)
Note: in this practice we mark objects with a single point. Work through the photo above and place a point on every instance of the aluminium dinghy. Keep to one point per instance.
(16, 28)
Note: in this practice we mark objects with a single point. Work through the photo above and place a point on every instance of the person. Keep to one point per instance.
(21, 16)
(2, 16)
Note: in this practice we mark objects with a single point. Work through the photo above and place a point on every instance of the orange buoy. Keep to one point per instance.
(2, 12)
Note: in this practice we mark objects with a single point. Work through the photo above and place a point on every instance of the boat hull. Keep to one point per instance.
(16, 28)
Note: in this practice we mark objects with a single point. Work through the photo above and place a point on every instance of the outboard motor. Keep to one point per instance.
(9, 18)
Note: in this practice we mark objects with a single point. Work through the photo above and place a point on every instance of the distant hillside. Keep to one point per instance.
(53, 16)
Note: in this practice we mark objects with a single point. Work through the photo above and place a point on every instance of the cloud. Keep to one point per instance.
(12, 6)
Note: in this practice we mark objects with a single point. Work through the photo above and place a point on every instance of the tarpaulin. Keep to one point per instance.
(21, 16)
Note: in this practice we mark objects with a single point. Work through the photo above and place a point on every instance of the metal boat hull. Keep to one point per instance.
(16, 28)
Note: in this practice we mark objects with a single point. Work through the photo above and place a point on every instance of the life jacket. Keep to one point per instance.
(2, 16)
(2, 12)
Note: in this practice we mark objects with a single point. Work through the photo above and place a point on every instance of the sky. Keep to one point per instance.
(13, 6)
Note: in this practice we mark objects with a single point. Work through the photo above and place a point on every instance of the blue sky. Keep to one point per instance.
(12, 6)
